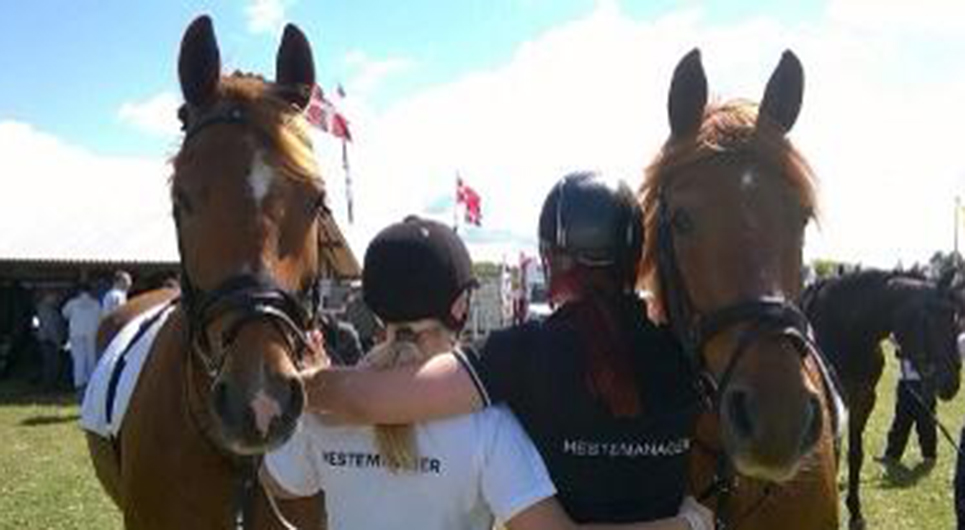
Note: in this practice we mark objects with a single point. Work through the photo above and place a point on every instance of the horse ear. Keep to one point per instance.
(688, 95)
(199, 62)
(295, 67)
(785, 89)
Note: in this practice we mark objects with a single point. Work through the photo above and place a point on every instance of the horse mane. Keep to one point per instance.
(729, 131)
(281, 131)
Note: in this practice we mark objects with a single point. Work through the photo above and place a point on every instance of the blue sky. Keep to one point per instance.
(70, 66)
(508, 93)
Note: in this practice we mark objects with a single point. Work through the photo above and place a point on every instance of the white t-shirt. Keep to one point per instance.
(471, 469)
(83, 314)
(113, 299)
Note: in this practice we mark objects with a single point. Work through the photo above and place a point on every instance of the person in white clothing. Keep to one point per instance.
(463, 472)
(83, 314)
(116, 296)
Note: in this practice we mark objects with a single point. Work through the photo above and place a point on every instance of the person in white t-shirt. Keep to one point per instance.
(463, 472)
(83, 315)
(116, 296)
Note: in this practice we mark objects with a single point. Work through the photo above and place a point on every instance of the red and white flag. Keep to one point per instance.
(323, 114)
(471, 200)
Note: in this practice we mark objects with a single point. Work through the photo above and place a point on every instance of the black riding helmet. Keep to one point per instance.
(594, 223)
(414, 270)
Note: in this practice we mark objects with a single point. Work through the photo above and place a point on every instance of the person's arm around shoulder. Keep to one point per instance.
(436, 388)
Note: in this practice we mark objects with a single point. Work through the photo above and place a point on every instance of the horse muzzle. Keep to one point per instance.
(258, 418)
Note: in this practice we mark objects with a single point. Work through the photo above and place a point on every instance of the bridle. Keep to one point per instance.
(763, 317)
(242, 299)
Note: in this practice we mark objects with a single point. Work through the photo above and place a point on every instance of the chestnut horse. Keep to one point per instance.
(852, 314)
(221, 384)
(727, 200)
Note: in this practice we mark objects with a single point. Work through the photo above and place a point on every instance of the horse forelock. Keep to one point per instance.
(728, 130)
(278, 128)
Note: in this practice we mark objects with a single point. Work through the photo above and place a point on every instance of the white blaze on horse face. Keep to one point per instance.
(748, 180)
(748, 192)
(260, 178)
(265, 410)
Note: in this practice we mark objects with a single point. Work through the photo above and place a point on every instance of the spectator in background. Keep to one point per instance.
(366, 325)
(914, 407)
(342, 341)
(116, 296)
(50, 339)
(83, 314)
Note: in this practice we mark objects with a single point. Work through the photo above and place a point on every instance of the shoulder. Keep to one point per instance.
(514, 339)
(655, 334)
(498, 427)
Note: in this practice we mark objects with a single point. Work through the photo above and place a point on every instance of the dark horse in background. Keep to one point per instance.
(852, 314)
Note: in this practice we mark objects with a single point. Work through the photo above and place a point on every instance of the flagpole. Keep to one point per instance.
(958, 207)
(455, 207)
(348, 181)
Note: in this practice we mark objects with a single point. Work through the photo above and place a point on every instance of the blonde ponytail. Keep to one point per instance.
(396, 443)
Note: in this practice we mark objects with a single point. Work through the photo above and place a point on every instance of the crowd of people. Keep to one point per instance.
(56, 339)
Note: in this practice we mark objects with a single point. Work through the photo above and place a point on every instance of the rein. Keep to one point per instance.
(764, 317)
(934, 417)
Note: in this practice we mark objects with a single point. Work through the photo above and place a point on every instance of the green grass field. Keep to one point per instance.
(46, 481)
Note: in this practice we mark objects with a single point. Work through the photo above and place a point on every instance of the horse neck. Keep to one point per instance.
(874, 304)
(898, 294)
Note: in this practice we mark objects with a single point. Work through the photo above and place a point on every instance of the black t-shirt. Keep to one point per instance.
(605, 469)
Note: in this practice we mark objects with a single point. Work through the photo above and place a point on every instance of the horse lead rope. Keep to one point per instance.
(934, 417)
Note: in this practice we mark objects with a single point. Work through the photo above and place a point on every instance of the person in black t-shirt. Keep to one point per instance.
(605, 394)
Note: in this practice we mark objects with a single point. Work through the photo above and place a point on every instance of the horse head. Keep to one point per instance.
(252, 222)
(727, 201)
(926, 330)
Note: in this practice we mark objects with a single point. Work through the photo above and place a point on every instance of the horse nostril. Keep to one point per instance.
(220, 391)
(815, 423)
(738, 405)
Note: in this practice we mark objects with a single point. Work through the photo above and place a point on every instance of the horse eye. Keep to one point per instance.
(320, 205)
(182, 203)
(682, 222)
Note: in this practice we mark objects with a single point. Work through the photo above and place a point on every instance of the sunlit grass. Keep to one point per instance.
(46, 480)
(906, 498)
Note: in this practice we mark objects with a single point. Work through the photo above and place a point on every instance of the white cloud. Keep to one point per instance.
(61, 201)
(368, 73)
(900, 16)
(592, 93)
(265, 16)
(156, 115)
(880, 125)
